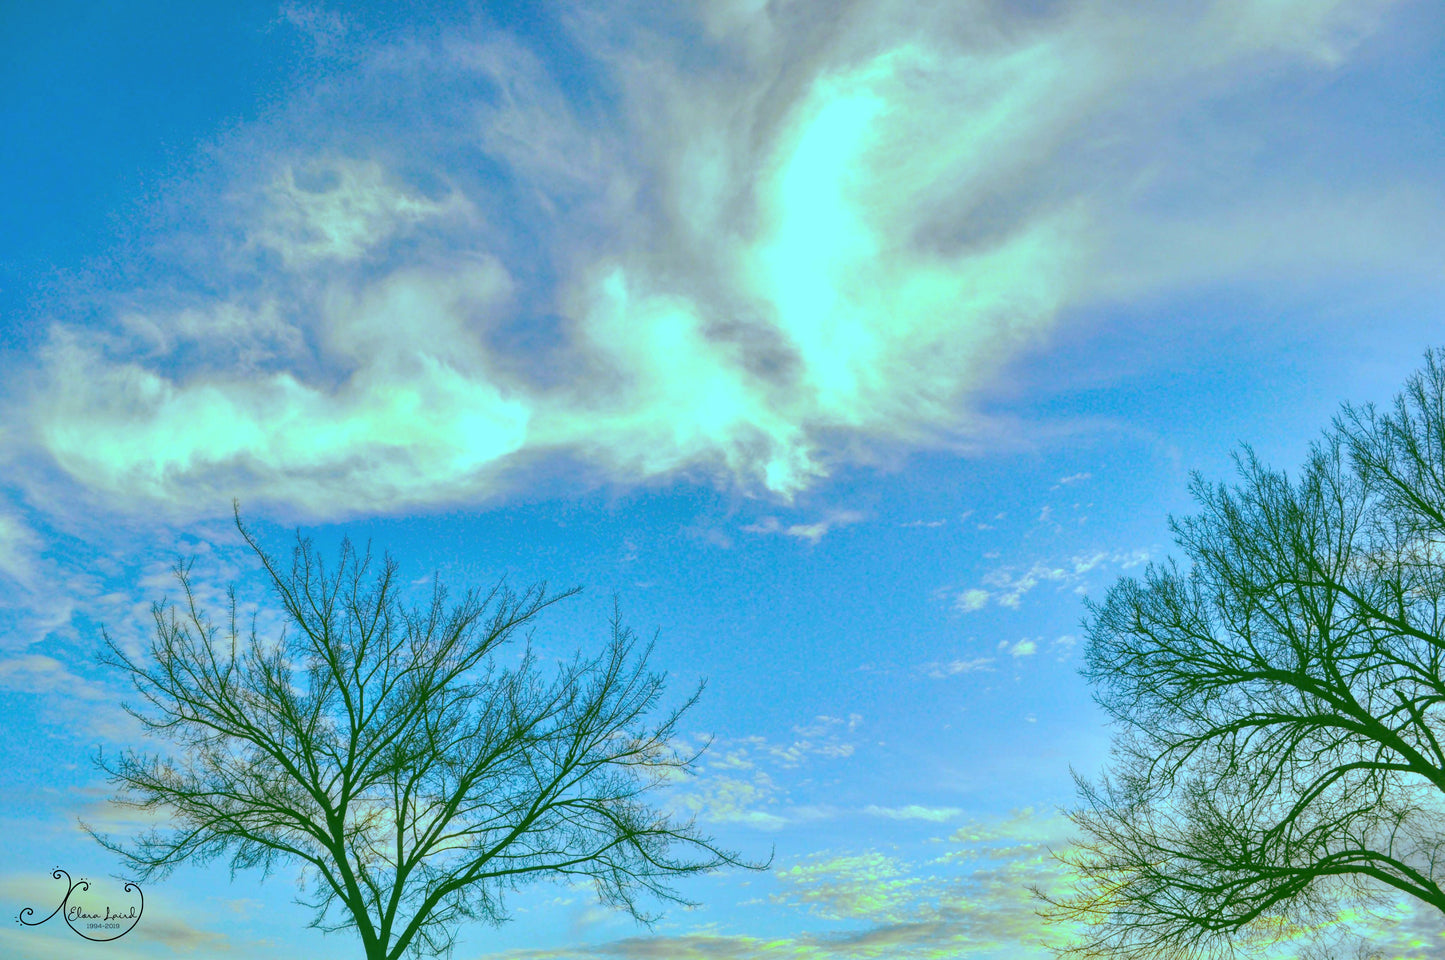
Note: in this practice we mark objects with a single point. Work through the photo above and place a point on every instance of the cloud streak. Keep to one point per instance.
(972, 902)
(1007, 586)
(738, 782)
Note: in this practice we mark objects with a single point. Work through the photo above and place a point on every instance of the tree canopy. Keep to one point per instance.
(413, 775)
(1279, 699)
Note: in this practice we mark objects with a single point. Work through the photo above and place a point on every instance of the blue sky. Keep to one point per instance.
(849, 346)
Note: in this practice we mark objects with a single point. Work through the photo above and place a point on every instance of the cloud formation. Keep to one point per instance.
(738, 783)
(914, 811)
(974, 901)
(745, 241)
(811, 532)
(1006, 586)
(939, 671)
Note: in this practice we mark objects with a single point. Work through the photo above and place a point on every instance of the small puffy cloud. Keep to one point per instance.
(1083, 563)
(826, 724)
(1132, 559)
(794, 753)
(765, 525)
(1022, 648)
(975, 598)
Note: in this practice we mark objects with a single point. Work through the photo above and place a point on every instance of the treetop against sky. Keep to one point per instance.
(848, 346)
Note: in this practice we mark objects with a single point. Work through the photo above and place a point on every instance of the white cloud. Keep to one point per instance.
(914, 811)
(326, 29)
(954, 667)
(752, 802)
(744, 780)
(40, 675)
(1023, 648)
(973, 901)
(822, 737)
(867, 886)
(971, 600)
(340, 209)
(18, 547)
(811, 532)
(1007, 585)
(819, 236)
(1023, 832)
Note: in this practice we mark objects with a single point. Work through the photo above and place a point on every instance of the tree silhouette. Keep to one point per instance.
(413, 777)
(1279, 701)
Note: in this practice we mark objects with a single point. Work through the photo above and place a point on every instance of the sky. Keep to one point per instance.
(848, 346)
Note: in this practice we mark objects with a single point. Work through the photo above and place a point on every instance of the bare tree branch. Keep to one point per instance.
(1279, 702)
(384, 749)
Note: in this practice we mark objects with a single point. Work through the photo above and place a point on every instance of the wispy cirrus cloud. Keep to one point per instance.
(811, 532)
(746, 780)
(888, 906)
(18, 546)
(950, 668)
(855, 886)
(340, 210)
(914, 811)
(1006, 586)
(752, 243)
(1019, 648)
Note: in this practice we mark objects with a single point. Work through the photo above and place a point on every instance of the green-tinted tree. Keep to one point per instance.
(1279, 700)
(383, 749)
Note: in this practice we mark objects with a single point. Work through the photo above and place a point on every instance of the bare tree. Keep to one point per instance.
(383, 748)
(1279, 701)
